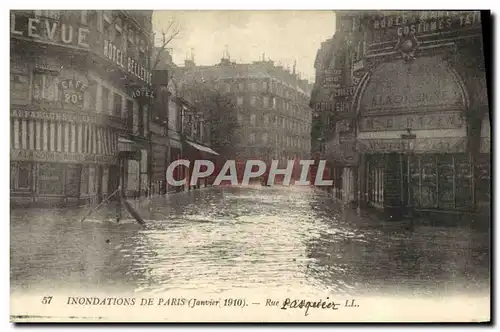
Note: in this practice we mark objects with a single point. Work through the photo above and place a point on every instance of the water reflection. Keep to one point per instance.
(255, 238)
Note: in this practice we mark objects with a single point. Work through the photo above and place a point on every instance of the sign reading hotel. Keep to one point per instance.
(118, 57)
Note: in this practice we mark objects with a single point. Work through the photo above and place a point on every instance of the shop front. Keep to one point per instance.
(55, 162)
(412, 138)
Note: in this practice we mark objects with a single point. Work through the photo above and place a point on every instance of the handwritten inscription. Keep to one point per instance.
(413, 121)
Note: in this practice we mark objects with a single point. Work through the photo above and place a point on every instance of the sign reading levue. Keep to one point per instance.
(117, 56)
(73, 91)
(48, 30)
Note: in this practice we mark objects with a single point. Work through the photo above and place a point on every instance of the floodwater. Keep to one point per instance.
(252, 238)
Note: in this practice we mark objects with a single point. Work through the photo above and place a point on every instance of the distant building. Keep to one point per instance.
(272, 106)
(79, 104)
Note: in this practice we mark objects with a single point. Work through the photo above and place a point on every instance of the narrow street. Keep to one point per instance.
(256, 238)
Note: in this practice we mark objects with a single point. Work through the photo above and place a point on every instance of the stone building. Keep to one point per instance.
(420, 110)
(79, 104)
(272, 106)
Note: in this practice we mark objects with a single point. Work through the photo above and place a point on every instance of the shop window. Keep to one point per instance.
(483, 180)
(429, 182)
(45, 87)
(84, 181)
(463, 182)
(51, 178)
(21, 176)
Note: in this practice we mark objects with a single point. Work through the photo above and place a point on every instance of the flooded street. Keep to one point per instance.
(254, 238)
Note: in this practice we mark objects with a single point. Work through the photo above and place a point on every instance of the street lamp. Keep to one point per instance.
(410, 139)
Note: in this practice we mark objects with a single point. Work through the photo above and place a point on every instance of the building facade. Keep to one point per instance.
(76, 119)
(273, 113)
(420, 113)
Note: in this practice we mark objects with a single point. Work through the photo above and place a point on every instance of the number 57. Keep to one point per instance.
(46, 299)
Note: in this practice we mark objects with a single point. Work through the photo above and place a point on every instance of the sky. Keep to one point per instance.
(283, 36)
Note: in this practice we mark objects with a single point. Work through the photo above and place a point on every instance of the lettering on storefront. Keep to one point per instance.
(333, 78)
(427, 21)
(73, 91)
(142, 93)
(49, 30)
(67, 117)
(413, 121)
(64, 157)
(132, 66)
(449, 145)
(345, 92)
(396, 99)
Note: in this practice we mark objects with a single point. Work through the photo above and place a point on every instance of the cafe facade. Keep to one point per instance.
(422, 114)
(73, 114)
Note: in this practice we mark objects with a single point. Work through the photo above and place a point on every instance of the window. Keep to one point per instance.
(265, 101)
(105, 93)
(130, 115)
(254, 86)
(51, 178)
(252, 138)
(45, 87)
(107, 32)
(117, 105)
(266, 119)
(239, 100)
(240, 118)
(92, 96)
(241, 86)
(21, 176)
(274, 103)
(264, 85)
(264, 138)
(19, 83)
(253, 101)
(253, 119)
(228, 88)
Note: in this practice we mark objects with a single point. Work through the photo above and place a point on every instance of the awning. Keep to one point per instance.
(126, 145)
(202, 148)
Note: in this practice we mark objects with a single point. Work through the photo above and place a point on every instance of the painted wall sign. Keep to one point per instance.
(67, 117)
(132, 66)
(343, 107)
(73, 91)
(422, 145)
(142, 93)
(345, 91)
(427, 21)
(424, 84)
(444, 120)
(390, 27)
(48, 30)
(60, 157)
(333, 78)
